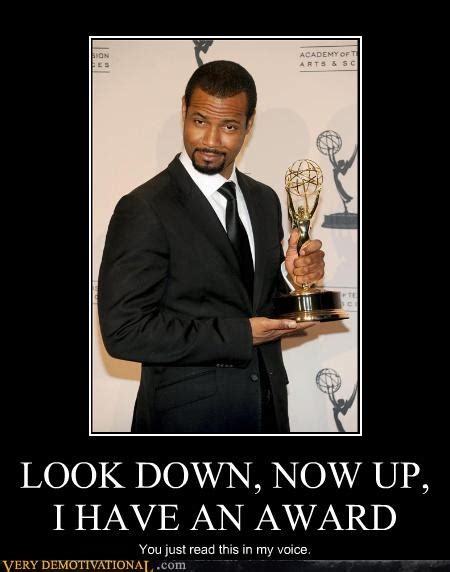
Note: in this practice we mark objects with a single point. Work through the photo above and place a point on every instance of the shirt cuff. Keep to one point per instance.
(284, 272)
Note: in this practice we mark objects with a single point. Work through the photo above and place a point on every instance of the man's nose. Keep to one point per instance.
(211, 137)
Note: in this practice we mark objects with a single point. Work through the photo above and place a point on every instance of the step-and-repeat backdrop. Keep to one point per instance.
(307, 108)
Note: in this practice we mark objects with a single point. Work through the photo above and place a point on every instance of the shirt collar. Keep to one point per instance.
(208, 184)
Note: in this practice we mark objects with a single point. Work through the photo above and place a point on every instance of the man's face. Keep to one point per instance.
(214, 130)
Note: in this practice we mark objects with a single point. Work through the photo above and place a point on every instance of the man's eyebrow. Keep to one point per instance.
(199, 114)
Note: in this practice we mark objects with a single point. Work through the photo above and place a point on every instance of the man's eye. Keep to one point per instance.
(199, 121)
(230, 127)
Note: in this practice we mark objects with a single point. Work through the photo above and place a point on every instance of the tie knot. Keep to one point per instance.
(228, 190)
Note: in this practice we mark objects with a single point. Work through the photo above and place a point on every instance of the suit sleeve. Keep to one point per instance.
(132, 281)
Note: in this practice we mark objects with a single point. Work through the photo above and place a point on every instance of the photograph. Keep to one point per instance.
(225, 309)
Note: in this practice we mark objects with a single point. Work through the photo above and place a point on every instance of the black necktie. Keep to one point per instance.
(238, 236)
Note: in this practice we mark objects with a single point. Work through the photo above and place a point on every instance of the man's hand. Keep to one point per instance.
(309, 266)
(266, 330)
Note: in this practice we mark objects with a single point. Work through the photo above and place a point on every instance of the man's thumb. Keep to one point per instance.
(293, 239)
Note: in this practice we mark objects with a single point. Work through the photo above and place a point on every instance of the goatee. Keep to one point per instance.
(208, 169)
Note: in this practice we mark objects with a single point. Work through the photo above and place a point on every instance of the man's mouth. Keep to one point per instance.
(208, 154)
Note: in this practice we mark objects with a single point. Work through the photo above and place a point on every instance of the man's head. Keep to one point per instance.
(223, 79)
(218, 111)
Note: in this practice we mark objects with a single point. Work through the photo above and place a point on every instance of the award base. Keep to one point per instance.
(310, 305)
(340, 220)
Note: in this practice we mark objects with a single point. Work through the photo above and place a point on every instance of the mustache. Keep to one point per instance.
(209, 150)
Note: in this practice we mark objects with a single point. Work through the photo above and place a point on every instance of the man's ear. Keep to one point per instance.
(183, 107)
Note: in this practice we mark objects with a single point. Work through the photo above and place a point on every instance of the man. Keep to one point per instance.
(191, 264)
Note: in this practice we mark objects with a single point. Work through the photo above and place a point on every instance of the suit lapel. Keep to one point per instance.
(204, 218)
(256, 217)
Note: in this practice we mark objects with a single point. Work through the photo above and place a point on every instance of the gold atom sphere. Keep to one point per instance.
(304, 177)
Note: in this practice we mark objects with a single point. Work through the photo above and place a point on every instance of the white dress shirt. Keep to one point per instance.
(209, 185)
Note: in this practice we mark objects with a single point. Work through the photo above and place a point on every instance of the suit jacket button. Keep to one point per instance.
(254, 377)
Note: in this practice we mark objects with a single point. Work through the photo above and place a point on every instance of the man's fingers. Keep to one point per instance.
(287, 324)
(313, 258)
(307, 273)
(303, 268)
(310, 246)
(300, 327)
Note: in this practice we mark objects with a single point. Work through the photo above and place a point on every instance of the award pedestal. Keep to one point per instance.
(341, 220)
(310, 305)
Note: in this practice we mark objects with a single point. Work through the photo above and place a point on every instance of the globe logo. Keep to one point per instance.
(329, 141)
(328, 380)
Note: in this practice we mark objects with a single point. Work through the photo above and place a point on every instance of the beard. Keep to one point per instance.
(208, 169)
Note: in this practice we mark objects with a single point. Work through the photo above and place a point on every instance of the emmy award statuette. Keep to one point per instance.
(329, 143)
(303, 183)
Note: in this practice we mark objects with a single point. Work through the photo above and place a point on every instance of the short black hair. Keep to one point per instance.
(222, 78)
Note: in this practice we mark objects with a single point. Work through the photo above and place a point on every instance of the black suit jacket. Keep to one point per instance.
(170, 296)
